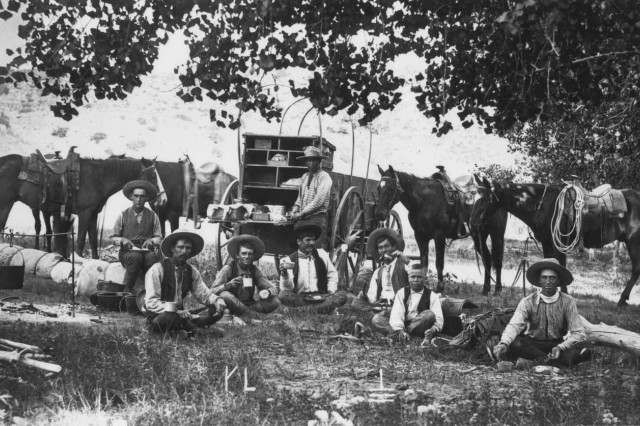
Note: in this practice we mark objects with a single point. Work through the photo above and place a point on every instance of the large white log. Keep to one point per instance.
(615, 337)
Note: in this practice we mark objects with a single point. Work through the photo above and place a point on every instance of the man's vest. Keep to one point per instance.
(238, 291)
(168, 284)
(424, 303)
(399, 279)
(321, 271)
(138, 233)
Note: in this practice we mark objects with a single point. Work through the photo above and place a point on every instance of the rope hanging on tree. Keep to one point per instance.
(575, 227)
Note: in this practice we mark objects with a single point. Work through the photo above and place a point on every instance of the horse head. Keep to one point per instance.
(149, 173)
(389, 193)
(485, 203)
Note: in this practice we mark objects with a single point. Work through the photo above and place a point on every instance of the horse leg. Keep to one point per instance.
(84, 218)
(423, 247)
(4, 215)
(48, 229)
(497, 253)
(480, 242)
(38, 226)
(93, 234)
(634, 253)
(440, 244)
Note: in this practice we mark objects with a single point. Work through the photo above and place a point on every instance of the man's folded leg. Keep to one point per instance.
(332, 302)
(265, 306)
(291, 299)
(418, 326)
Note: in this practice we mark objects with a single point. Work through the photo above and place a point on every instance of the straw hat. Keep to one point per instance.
(533, 273)
(372, 242)
(311, 152)
(234, 243)
(127, 190)
(196, 241)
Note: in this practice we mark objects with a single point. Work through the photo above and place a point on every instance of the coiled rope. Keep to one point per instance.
(576, 226)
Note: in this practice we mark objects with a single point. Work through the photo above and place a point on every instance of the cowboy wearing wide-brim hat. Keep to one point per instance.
(386, 246)
(314, 193)
(536, 331)
(137, 231)
(311, 228)
(168, 283)
(533, 273)
(243, 286)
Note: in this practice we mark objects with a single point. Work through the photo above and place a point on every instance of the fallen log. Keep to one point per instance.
(615, 337)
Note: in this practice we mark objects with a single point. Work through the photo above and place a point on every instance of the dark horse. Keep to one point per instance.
(99, 179)
(172, 177)
(431, 217)
(534, 204)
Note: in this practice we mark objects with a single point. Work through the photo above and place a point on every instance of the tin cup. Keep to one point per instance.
(505, 366)
(169, 306)
(247, 282)
(288, 265)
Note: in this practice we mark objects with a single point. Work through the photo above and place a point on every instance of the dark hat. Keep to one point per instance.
(311, 152)
(302, 227)
(372, 242)
(127, 190)
(235, 242)
(533, 273)
(168, 242)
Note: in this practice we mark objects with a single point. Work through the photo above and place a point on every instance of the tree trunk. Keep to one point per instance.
(615, 337)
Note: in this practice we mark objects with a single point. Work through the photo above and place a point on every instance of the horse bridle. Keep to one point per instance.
(397, 190)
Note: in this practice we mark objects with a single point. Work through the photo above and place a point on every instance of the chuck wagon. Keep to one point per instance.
(270, 174)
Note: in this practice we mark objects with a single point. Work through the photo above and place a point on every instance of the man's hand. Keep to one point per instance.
(220, 305)
(430, 333)
(555, 353)
(184, 314)
(148, 244)
(499, 351)
(296, 217)
(264, 294)
(234, 283)
(403, 336)
(126, 243)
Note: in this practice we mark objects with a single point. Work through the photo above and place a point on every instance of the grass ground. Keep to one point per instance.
(297, 367)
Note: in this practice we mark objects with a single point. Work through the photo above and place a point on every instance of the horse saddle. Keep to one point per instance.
(601, 206)
(55, 175)
(451, 189)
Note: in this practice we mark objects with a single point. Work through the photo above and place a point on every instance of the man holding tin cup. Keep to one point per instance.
(241, 284)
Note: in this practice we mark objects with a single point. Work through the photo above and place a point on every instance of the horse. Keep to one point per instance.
(534, 204)
(99, 179)
(172, 176)
(431, 217)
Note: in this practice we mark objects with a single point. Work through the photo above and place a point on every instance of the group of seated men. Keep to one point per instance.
(308, 278)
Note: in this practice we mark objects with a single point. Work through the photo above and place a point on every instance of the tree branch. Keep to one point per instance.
(600, 55)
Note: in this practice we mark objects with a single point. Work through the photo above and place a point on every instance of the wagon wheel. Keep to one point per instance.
(393, 221)
(347, 237)
(225, 229)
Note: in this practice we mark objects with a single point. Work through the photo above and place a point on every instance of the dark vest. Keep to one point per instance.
(399, 279)
(424, 303)
(168, 284)
(321, 271)
(241, 293)
(138, 233)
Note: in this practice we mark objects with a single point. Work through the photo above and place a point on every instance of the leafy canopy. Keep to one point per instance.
(493, 62)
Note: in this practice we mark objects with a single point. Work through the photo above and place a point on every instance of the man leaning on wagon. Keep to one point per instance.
(260, 295)
(386, 246)
(308, 278)
(314, 193)
(137, 231)
(535, 332)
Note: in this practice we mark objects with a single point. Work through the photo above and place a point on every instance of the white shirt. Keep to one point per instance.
(387, 285)
(398, 315)
(307, 277)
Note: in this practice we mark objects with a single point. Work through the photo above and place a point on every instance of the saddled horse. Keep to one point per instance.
(535, 203)
(172, 175)
(99, 179)
(432, 218)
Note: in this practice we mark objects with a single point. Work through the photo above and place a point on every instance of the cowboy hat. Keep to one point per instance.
(311, 152)
(197, 243)
(127, 190)
(304, 226)
(533, 273)
(372, 242)
(234, 244)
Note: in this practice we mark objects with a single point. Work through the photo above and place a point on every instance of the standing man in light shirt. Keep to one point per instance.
(314, 193)
(416, 310)
(168, 282)
(308, 274)
(386, 245)
(137, 232)
(537, 330)
(259, 297)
